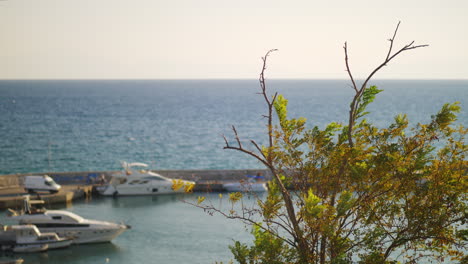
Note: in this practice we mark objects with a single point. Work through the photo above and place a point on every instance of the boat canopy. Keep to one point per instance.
(129, 165)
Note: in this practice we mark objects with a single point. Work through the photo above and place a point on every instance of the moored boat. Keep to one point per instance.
(30, 248)
(28, 238)
(30, 235)
(250, 184)
(133, 181)
(68, 224)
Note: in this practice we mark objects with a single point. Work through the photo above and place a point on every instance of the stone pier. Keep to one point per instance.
(78, 185)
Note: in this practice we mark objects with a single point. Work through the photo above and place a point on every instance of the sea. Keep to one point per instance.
(92, 125)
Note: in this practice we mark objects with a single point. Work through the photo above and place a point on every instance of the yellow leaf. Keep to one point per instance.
(234, 197)
(188, 187)
(200, 199)
(177, 184)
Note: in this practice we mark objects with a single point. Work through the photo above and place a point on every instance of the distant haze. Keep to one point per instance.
(204, 39)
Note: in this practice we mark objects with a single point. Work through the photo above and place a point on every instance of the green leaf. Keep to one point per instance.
(367, 97)
(447, 115)
(281, 105)
(344, 203)
(312, 205)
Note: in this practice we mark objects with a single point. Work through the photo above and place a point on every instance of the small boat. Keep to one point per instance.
(67, 224)
(30, 248)
(251, 184)
(28, 238)
(132, 181)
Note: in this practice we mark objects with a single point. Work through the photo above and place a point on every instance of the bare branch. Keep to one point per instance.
(262, 73)
(391, 41)
(247, 220)
(274, 97)
(258, 147)
(347, 67)
(267, 100)
(251, 153)
(237, 136)
(225, 140)
(360, 91)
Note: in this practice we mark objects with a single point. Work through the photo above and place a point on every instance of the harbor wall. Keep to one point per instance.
(9, 181)
(78, 185)
(91, 177)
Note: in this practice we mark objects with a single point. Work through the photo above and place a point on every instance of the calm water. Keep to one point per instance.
(164, 230)
(92, 125)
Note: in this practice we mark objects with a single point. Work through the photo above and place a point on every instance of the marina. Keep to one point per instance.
(75, 132)
(164, 227)
(78, 198)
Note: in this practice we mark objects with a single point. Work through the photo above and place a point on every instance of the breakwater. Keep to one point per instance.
(78, 185)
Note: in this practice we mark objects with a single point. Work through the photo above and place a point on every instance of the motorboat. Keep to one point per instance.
(68, 224)
(135, 179)
(250, 184)
(28, 238)
(30, 235)
(30, 248)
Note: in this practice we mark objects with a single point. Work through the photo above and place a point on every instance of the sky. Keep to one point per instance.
(219, 39)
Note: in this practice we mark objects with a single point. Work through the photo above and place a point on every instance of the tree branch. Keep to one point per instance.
(347, 67)
(359, 92)
(237, 136)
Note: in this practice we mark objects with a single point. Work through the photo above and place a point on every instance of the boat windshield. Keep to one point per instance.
(48, 182)
(154, 178)
(64, 216)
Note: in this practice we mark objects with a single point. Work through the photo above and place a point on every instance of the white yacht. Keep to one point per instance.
(68, 224)
(133, 181)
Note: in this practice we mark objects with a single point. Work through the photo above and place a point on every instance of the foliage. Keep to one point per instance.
(357, 192)
(267, 249)
(178, 184)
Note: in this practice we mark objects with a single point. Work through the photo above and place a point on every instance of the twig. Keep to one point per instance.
(359, 92)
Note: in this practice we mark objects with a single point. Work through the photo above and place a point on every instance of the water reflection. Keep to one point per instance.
(144, 201)
(88, 253)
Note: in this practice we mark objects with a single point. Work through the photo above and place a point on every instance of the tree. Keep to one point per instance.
(356, 192)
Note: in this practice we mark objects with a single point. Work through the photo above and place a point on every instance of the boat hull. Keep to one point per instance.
(63, 243)
(86, 235)
(149, 188)
(245, 187)
(30, 248)
(71, 226)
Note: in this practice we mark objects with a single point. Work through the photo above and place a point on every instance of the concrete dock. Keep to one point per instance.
(79, 185)
(13, 198)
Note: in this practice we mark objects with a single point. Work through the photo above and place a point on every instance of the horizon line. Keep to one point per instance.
(232, 79)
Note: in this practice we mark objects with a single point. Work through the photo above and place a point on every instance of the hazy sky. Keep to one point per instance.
(187, 39)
